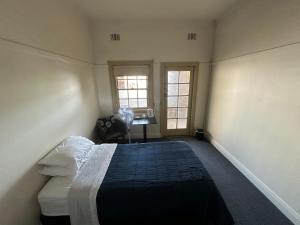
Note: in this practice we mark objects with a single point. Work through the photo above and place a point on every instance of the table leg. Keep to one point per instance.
(145, 132)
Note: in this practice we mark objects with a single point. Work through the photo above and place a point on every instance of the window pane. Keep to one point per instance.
(182, 112)
(132, 88)
(132, 93)
(132, 84)
(142, 93)
(142, 84)
(123, 102)
(172, 112)
(172, 101)
(122, 84)
(173, 76)
(184, 77)
(171, 123)
(142, 103)
(182, 123)
(183, 101)
(133, 103)
(123, 94)
(172, 89)
(184, 89)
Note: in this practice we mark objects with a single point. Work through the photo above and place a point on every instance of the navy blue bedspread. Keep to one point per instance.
(161, 183)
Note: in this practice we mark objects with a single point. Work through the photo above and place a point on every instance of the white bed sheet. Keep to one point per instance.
(85, 186)
(53, 198)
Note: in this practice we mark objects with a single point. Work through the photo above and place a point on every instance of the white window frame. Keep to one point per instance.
(114, 89)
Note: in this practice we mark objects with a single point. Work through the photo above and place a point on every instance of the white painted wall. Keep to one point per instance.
(161, 41)
(56, 26)
(254, 110)
(253, 26)
(44, 96)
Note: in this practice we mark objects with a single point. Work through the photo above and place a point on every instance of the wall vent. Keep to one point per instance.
(115, 37)
(192, 36)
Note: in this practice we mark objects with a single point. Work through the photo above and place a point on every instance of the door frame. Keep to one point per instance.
(163, 111)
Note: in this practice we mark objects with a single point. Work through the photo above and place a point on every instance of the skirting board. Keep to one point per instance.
(287, 210)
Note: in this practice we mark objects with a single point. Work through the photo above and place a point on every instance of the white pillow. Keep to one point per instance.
(76, 140)
(70, 156)
(57, 171)
(71, 153)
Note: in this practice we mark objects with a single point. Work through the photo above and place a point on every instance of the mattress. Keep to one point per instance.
(53, 198)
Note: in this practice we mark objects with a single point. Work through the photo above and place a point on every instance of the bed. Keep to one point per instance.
(137, 184)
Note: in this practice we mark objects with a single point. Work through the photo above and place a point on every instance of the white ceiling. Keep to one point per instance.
(155, 9)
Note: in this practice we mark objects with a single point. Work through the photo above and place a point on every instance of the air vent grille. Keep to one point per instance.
(115, 37)
(192, 36)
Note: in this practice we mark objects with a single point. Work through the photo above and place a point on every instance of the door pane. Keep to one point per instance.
(184, 77)
(182, 123)
(172, 89)
(182, 112)
(171, 123)
(172, 113)
(184, 89)
(173, 76)
(183, 101)
(172, 101)
(177, 91)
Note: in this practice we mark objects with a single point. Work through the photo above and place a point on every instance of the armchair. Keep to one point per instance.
(111, 128)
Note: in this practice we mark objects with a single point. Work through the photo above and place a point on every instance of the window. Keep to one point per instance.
(131, 84)
(132, 91)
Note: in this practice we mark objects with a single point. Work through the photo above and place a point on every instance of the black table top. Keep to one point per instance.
(144, 121)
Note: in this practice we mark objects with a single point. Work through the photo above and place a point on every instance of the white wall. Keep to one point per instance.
(254, 110)
(55, 26)
(47, 92)
(161, 41)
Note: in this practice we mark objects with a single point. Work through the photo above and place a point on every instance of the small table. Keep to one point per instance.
(144, 121)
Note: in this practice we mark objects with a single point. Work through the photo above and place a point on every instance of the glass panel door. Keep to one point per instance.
(177, 100)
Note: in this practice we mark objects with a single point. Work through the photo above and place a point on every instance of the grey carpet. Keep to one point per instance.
(246, 203)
